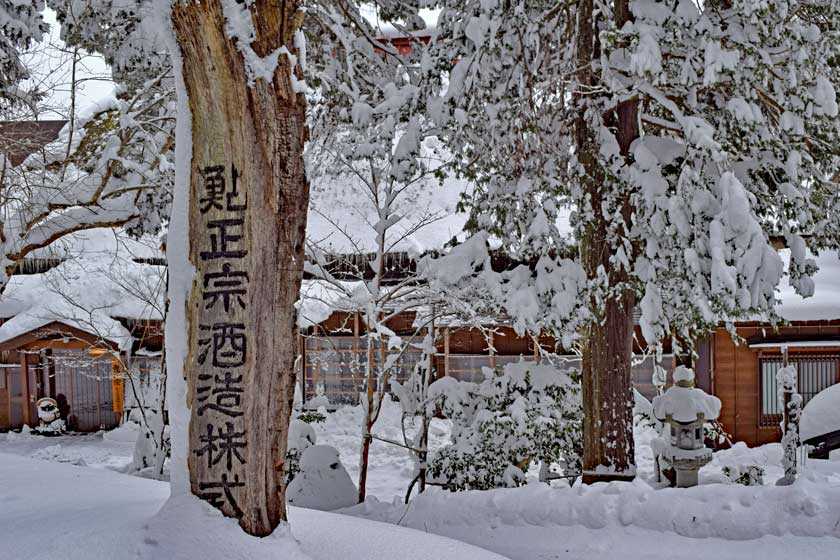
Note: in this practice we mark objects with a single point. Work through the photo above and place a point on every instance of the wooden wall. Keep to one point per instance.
(736, 377)
(4, 403)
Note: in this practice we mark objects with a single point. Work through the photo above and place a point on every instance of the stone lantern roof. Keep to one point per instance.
(683, 402)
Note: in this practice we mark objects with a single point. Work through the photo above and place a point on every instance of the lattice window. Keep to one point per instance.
(815, 373)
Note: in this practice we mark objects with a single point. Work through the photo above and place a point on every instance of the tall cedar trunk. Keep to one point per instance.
(248, 202)
(608, 339)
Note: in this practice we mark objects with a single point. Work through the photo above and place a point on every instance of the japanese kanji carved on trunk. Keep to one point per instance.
(248, 201)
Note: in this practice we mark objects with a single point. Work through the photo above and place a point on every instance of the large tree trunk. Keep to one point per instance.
(248, 203)
(608, 338)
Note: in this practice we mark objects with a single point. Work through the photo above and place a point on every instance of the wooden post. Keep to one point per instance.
(786, 394)
(492, 349)
(446, 351)
(24, 383)
(247, 218)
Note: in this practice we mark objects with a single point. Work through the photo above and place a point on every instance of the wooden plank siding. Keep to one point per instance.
(736, 375)
(4, 402)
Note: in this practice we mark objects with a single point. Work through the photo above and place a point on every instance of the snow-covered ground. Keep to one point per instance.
(717, 520)
(102, 450)
(390, 472)
(50, 510)
(391, 469)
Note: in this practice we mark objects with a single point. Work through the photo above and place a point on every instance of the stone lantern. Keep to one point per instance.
(684, 409)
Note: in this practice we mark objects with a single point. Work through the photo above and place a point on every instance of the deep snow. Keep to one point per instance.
(642, 520)
(50, 510)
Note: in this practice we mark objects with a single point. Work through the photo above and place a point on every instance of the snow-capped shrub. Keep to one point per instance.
(54, 428)
(716, 433)
(643, 411)
(320, 400)
(301, 438)
(788, 395)
(312, 417)
(522, 415)
(748, 475)
(323, 482)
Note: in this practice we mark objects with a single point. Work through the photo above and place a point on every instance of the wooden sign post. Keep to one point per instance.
(248, 204)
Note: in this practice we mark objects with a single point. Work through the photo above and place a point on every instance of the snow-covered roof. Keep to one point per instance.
(387, 31)
(318, 300)
(798, 344)
(88, 292)
(825, 303)
(102, 241)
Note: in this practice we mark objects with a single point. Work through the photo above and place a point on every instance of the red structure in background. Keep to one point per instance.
(404, 43)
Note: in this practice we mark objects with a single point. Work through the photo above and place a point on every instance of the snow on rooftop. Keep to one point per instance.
(88, 292)
(825, 303)
(318, 300)
(387, 30)
(105, 241)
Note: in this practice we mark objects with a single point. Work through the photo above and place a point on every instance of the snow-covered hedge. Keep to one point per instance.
(522, 415)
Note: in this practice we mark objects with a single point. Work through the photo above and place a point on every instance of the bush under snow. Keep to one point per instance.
(323, 482)
(525, 414)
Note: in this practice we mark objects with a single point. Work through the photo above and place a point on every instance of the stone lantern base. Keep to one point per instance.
(687, 467)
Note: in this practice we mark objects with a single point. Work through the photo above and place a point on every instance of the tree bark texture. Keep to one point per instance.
(608, 338)
(248, 203)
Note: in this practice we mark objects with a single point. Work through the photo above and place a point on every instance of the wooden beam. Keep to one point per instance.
(24, 383)
(491, 349)
(302, 350)
(446, 351)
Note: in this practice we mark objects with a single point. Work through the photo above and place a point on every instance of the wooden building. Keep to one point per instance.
(82, 325)
(334, 355)
(744, 374)
(742, 369)
(39, 358)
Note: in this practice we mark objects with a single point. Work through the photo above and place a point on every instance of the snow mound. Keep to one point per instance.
(682, 373)
(323, 482)
(301, 435)
(125, 433)
(809, 508)
(187, 528)
(821, 415)
(95, 514)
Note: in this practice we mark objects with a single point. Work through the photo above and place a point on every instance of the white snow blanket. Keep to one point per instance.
(684, 404)
(821, 415)
(98, 514)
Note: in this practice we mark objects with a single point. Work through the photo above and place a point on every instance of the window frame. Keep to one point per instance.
(814, 356)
